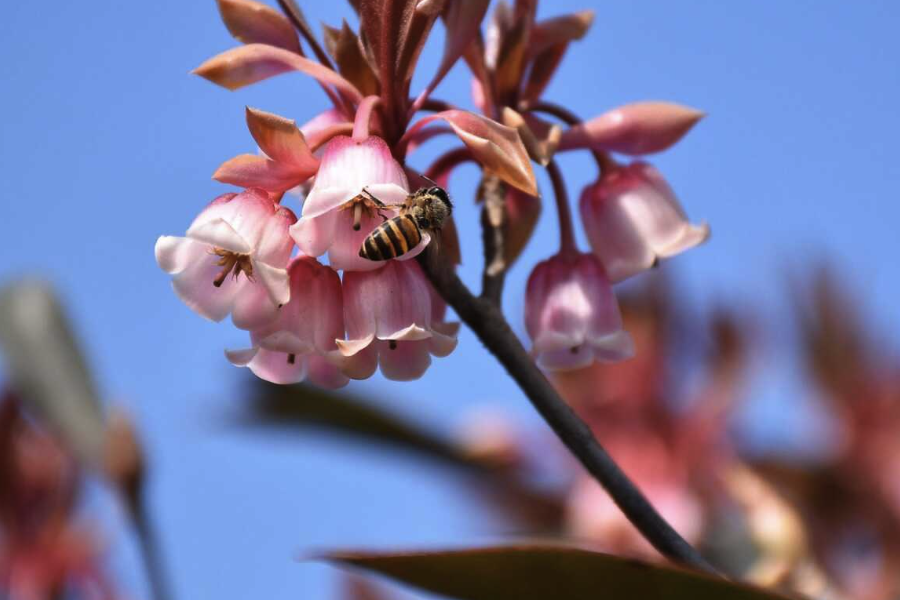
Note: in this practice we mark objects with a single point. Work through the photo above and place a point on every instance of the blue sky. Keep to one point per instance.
(107, 142)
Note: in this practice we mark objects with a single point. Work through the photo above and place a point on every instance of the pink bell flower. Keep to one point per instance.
(336, 216)
(572, 315)
(233, 259)
(299, 344)
(633, 219)
(395, 320)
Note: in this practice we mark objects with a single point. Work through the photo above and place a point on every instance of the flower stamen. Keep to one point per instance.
(363, 204)
(231, 262)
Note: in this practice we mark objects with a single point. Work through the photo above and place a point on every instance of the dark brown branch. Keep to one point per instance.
(487, 321)
(493, 228)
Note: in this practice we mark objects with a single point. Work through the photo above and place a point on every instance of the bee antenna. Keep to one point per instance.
(429, 179)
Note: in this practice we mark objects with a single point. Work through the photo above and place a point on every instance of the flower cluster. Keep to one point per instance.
(277, 275)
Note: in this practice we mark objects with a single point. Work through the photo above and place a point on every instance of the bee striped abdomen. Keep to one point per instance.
(395, 237)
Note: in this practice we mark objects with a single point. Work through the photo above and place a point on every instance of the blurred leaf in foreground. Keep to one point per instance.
(47, 368)
(538, 572)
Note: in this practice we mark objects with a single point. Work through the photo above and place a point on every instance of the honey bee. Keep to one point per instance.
(425, 209)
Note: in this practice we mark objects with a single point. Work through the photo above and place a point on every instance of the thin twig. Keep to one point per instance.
(487, 321)
(150, 550)
(493, 229)
(566, 230)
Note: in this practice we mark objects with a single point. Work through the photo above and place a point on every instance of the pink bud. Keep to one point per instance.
(393, 315)
(633, 219)
(639, 128)
(233, 259)
(572, 315)
(300, 342)
(336, 218)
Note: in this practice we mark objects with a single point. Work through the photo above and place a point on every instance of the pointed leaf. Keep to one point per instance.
(244, 65)
(511, 61)
(280, 139)
(497, 147)
(462, 20)
(346, 49)
(540, 572)
(252, 170)
(383, 24)
(256, 23)
(423, 18)
(543, 67)
(307, 406)
(559, 30)
(638, 128)
(48, 370)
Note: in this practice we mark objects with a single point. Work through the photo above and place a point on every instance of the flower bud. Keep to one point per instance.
(634, 129)
(633, 219)
(572, 315)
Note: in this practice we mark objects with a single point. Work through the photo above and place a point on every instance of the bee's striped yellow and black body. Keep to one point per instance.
(395, 237)
(427, 209)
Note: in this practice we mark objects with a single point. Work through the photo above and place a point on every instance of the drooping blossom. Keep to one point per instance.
(394, 319)
(572, 315)
(300, 343)
(233, 259)
(337, 216)
(633, 219)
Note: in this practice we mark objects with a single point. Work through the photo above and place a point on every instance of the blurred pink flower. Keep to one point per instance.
(633, 219)
(237, 234)
(572, 315)
(300, 343)
(336, 218)
(394, 319)
(660, 474)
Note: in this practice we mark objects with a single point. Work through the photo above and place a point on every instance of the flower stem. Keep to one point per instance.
(567, 246)
(363, 120)
(493, 235)
(487, 322)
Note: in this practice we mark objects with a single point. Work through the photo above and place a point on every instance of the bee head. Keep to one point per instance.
(441, 195)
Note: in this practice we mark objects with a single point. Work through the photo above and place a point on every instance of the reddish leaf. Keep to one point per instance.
(462, 20)
(383, 24)
(498, 27)
(251, 170)
(497, 147)
(559, 30)
(346, 49)
(280, 139)
(474, 55)
(540, 572)
(511, 62)
(241, 66)
(424, 16)
(639, 128)
(253, 22)
(543, 67)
